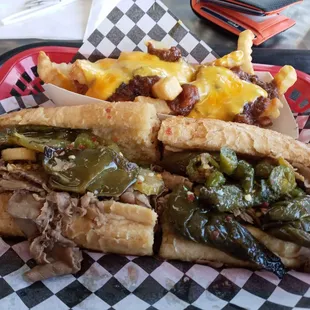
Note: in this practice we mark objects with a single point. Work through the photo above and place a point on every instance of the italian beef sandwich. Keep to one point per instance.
(238, 196)
(66, 182)
(221, 193)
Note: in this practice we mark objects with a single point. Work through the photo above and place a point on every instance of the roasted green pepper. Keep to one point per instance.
(224, 198)
(216, 178)
(228, 161)
(282, 180)
(297, 192)
(292, 234)
(286, 211)
(263, 169)
(3, 138)
(37, 137)
(245, 173)
(200, 167)
(263, 193)
(85, 141)
(219, 231)
(177, 162)
(149, 182)
(101, 171)
(290, 220)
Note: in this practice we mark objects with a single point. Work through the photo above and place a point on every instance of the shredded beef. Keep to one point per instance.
(67, 260)
(172, 54)
(46, 216)
(270, 88)
(172, 180)
(135, 197)
(142, 200)
(19, 177)
(138, 86)
(25, 209)
(11, 184)
(184, 103)
(49, 217)
(34, 176)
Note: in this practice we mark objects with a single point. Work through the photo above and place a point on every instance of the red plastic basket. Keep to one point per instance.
(19, 77)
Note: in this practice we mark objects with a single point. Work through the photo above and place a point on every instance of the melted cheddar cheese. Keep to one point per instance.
(105, 76)
(223, 95)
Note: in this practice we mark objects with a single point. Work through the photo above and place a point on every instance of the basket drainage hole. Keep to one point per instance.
(295, 94)
(304, 103)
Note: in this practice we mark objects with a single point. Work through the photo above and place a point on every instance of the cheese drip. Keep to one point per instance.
(223, 94)
(106, 75)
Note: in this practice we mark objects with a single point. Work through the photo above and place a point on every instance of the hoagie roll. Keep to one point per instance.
(244, 201)
(132, 127)
(64, 186)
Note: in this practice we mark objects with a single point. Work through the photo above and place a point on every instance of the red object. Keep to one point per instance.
(298, 96)
(18, 76)
(234, 20)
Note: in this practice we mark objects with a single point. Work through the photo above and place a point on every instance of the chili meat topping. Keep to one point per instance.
(138, 86)
(172, 54)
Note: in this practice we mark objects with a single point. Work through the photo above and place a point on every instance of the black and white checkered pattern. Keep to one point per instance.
(119, 282)
(133, 22)
(17, 103)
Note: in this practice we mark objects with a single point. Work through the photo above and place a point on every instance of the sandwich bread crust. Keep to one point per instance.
(132, 125)
(115, 228)
(210, 135)
(111, 227)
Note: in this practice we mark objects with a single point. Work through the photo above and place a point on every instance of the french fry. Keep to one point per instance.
(245, 43)
(285, 78)
(57, 74)
(85, 72)
(160, 105)
(167, 88)
(234, 59)
(273, 109)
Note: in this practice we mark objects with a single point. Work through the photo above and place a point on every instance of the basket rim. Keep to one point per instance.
(10, 63)
(12, 52)
(72, 48)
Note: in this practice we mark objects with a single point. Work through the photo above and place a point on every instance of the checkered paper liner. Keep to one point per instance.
(118, 282)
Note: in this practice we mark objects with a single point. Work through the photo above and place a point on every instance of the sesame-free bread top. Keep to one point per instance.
(182, 133)
(132, 125)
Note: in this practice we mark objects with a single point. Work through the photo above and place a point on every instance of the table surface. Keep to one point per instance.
(297, 37)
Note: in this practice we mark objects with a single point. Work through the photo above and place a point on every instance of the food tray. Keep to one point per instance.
(19, 77)
(118, 282)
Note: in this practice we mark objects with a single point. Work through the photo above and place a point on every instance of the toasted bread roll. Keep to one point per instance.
(161, 106)
(110, 227)
(133, 126)
(210, 135)
(292, 255)
(174, 246)
(115, 228)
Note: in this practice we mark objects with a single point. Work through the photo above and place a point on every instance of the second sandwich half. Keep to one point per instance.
(66, 182)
